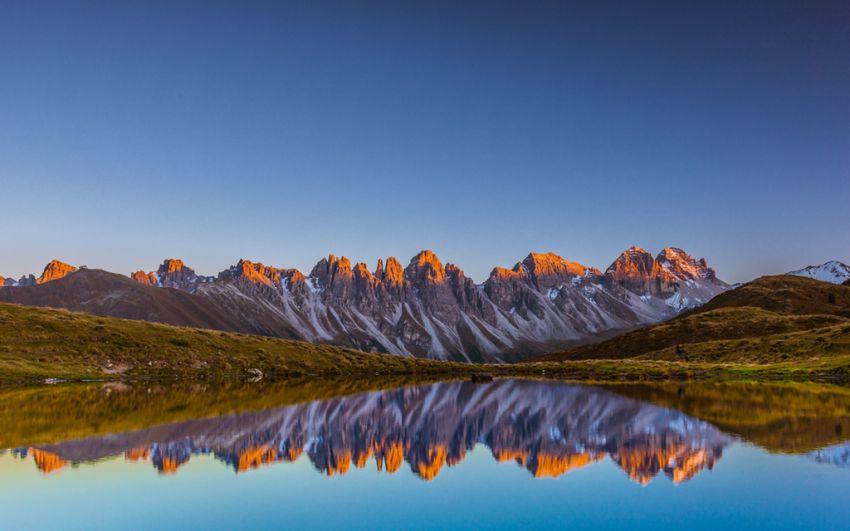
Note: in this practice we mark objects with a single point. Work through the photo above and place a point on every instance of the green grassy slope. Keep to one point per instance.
(46, 343)
(771, 320)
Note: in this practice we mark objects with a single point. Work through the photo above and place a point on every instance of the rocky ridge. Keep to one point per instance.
(429, 309)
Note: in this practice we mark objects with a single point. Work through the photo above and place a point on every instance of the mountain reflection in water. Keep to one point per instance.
(548, 428)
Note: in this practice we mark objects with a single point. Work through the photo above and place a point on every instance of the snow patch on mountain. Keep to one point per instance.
(833, 271)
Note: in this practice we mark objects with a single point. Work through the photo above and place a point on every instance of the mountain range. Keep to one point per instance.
(424, 309)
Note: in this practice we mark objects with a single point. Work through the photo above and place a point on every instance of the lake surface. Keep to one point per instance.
(504, 455)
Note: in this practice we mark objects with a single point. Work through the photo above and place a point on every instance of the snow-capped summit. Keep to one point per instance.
(833, 271)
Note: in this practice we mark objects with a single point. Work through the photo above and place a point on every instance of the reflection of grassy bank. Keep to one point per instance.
(781, 417)
(37, 343)
(53, 413)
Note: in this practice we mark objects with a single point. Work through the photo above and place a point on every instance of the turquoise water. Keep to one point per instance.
(507, 455)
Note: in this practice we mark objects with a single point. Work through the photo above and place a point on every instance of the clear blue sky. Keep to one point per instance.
(282, 131)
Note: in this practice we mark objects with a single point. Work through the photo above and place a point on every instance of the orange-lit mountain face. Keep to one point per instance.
(546, 428)
(425, 309)
(47, 462)
(54, 271)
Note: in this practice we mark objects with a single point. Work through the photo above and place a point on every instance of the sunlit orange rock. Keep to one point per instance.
(362, 457)
(148, 279)
(258, 273)
(547, 270)
(678, 261)
(679, 461)
(389, 456)
(432, 464)
(394, 273)
(168, 466)
(552, 466)
(636, 270)
(46, 461)
(172, 265)
(255, 457)
(426, 267)
(689, 465)
(503, 273)
(293, 453)
(138, 454)
(508, 454)
(341, 464)
(54, 271)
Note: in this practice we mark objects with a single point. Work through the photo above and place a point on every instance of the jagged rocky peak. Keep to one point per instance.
(11, 282)
(634, 262)
(502, 274)
(637, 271)
(425, 268)
(54, 271)
(392, 275)
(684, 265)
(172, 265)
(665, 276)
(148, 279)
(253, 272)
(331, 270)
(454, 272)
(173, 273)
(27, 280)
(361, 270)
(365, 284)
(547, 270)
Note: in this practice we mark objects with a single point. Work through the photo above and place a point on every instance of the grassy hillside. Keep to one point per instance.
(771, 320)
(785, 295)
(46, 343)
(38, 343)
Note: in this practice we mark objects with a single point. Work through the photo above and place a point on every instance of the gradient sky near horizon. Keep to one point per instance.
(284, 131)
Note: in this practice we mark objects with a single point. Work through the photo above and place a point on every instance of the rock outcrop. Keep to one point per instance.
(172, 273)
(54, 271)
(682, 281)
(148, 279)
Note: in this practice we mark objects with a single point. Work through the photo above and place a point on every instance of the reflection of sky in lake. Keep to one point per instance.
(748, 488)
